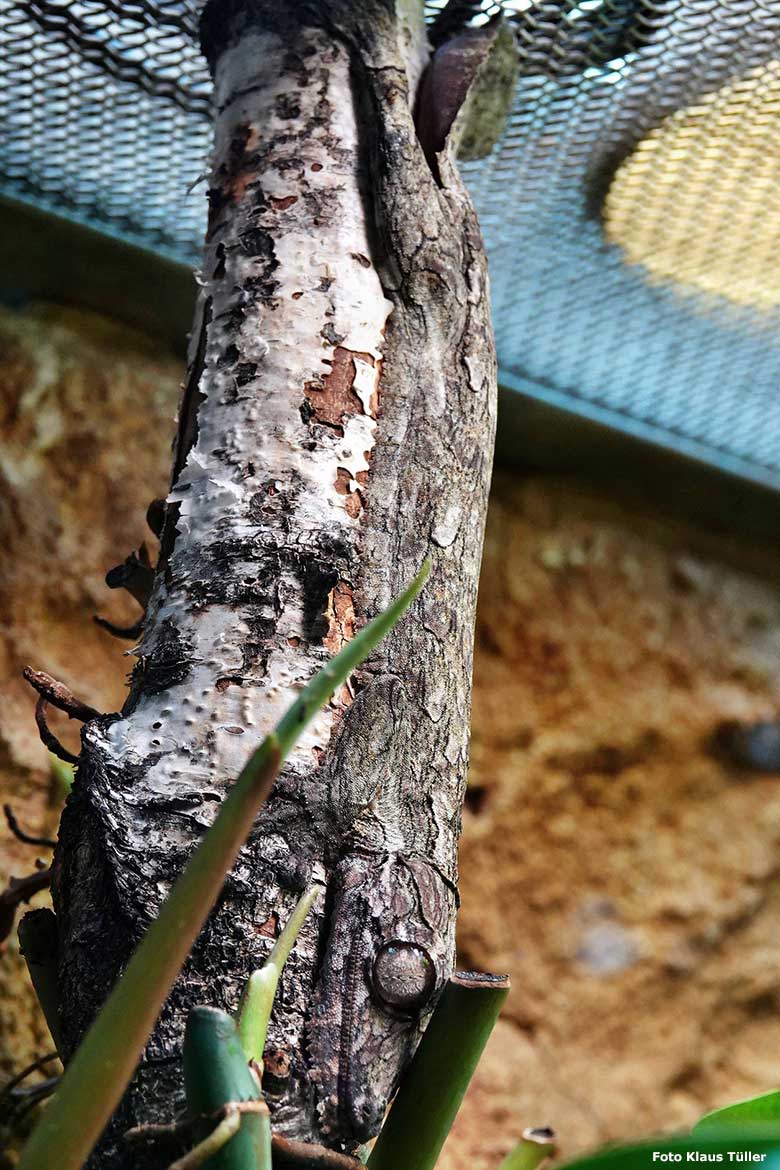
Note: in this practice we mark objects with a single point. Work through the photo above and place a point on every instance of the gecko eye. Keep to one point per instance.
(403, 977)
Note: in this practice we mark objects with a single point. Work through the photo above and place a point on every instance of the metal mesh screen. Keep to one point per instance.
(104, 115)
(632, 213)
(631, 210)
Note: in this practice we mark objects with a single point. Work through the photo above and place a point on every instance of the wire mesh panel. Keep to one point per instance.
(104, 115)
(632, 214)
(631, 210)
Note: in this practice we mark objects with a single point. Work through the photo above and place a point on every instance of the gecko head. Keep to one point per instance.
(388, 953)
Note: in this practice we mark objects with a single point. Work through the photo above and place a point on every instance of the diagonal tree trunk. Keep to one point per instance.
(336, 429)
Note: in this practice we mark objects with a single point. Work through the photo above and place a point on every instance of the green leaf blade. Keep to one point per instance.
(318, 692)
(106, 1059)
(750, 1112)
(640, 1155)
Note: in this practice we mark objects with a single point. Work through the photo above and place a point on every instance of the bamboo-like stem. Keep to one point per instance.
(534, 1147)
(217, 1076)
(436, 1081)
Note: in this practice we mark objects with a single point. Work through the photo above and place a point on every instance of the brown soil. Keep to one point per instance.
(86, 419)
(622, 871)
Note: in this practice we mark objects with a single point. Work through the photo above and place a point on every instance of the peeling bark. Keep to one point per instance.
(337, 427)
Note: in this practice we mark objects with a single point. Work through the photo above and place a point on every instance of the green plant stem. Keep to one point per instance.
(254, 1010)
(435, 1082)
(534, 1146)
(104, 1063)
(216, 1076)
(218, 1137)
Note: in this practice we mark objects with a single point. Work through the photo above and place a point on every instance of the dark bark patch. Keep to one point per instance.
(271, 506)
(287, 107)
(295, 163)
(244, 373)
(242, 136)
(257, 242)
(169, 662)
(262, 288)
(216, 201)
(330, 334)
(319, 578)
(241, 184)
(276, 1071)
(132, 774)
(188, 417)
(232, 176)
(236, 178)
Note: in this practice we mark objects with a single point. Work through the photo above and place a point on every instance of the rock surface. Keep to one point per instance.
(617, 864)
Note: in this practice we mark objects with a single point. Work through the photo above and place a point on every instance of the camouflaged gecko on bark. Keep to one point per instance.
(336, 429)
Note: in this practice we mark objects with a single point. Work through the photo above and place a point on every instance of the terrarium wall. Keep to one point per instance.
(618, 864)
